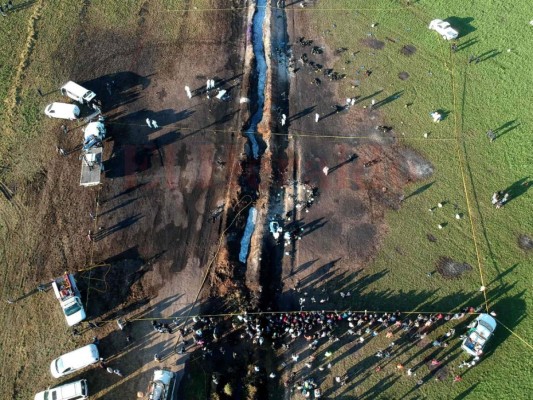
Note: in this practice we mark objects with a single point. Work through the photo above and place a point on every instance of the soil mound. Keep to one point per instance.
(403, 76)
(525, 242)
(450, 269)
(373, 43)
(418, 167)
(408, 50)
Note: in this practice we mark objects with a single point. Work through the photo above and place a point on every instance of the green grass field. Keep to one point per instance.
(491, 94)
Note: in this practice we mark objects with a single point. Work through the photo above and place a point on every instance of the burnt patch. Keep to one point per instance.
(525, 242)
(408, 50)
(451, 269)
(373, 43)
(403, 75)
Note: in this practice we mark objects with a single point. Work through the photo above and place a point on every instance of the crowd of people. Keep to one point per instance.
(299, 336)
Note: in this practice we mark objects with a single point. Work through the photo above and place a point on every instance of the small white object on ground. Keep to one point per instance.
(482, 288)
(457, 216)
(440, 205)
(244, 100)
(325, 170)
(441, 226)
(436, 116)
(317, 117)
(188, 91)
(426, 135)
(154, 124)
(148, 122)
(221, 94)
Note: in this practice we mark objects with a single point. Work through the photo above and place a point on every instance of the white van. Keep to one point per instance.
(69, 391)
(77, 92)
(74, 361)
(62, 110)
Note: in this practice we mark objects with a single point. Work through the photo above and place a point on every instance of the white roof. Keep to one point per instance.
(93, 128)
(62, 110)
(77, 359)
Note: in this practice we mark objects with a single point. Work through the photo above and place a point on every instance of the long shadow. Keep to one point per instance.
(301, 114)
(488, 55)
(351, 159)
(462, 25)
(101, 234)
(505, 128)
(387, 100)
(518, 188)
(467, 44)
(313, 226)
(466, 393)
(420, 190)
(118, 207)
(361, 99)
(23, 6)
(118, 89)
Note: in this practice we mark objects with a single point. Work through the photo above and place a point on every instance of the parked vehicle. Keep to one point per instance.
(444, 29)
(69, 391)
(480, 332)
(162, 385)
(62, 111)
(74, 361)
(68, 295)
(77, 92)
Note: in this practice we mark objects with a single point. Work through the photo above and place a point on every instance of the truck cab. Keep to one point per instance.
(68, 295)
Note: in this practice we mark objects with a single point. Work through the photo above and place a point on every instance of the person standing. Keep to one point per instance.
(491, 135)
(148, 122)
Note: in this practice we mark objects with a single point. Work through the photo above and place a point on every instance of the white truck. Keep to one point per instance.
(444, 29)
(68, 295)
(479, 333)
(92, 149)
(162, 385)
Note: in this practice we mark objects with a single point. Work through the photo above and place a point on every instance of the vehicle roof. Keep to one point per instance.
(63, 108)
(163, 375)
(73, 87)
(67, 390)
(80, 357)
(93, 128)
(488, 320)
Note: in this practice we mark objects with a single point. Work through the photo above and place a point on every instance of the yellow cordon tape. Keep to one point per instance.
(462, 167)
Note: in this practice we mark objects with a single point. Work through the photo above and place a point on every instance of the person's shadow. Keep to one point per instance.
(518, 188)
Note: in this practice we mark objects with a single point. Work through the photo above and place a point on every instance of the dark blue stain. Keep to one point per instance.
(261, 69)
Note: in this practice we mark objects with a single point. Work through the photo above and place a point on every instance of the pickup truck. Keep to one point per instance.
(68, 295)
(479, 333)
(162, 385)
(444, 29)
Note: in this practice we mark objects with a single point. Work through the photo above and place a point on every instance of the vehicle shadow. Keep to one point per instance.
(463, 25)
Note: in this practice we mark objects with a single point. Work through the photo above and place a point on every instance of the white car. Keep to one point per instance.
(162, 385)
(69, 391)
(62, 111)
(74, 361)
(444, 29)
(479, 333)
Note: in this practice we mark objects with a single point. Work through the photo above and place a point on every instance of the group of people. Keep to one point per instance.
(499, 198)
(288, 331)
